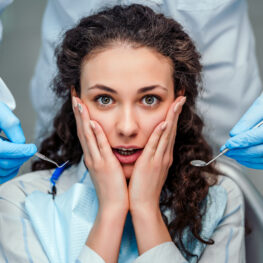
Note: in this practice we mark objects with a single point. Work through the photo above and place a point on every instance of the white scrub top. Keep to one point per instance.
(220, 29)
(19, 243)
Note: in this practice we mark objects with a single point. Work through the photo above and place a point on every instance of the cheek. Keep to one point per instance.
(149, 123)
(104, 120)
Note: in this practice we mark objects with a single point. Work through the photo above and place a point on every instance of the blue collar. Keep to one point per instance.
(55, 176)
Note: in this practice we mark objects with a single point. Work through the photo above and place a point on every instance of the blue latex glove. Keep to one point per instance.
(12, 154)
(246, 143)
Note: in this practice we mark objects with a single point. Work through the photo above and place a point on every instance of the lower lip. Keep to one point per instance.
(128, 159)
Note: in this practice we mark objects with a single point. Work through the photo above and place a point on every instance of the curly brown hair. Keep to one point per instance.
(186, 187)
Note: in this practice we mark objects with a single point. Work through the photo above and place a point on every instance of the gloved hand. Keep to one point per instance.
(12, 154)
(246, 143)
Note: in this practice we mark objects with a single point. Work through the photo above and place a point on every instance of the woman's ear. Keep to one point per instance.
(73, 91)
(180, 93)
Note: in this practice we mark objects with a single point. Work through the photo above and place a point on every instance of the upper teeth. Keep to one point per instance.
(123, 149)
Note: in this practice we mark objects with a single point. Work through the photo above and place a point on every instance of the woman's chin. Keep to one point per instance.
(127, 169)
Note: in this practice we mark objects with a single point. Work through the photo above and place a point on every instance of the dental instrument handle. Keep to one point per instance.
(227, 149)
(43, 157)
(223, 152)
(39, 155)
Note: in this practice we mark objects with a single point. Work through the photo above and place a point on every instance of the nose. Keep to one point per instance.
(127, 123)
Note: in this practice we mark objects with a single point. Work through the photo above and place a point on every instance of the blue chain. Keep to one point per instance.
(55, 176)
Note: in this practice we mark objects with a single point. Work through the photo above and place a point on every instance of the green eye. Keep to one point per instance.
(103, 100)
(151, 99)
(106, 100)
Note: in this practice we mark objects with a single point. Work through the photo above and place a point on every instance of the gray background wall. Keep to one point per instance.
(20, 46)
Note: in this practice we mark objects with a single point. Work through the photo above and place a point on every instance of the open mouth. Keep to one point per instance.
(126, 152)
(127, 156)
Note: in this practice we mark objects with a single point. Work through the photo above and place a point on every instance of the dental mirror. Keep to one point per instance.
(201, 163)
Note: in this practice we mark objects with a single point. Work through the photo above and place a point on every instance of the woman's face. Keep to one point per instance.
(128, 92)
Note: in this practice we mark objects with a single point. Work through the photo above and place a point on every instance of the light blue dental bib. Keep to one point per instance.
(62, 225)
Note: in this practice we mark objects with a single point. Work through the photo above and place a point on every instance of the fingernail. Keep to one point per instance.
(179, 103)
(92, 124)
(74, 102)
(182, 100)
(164, 125)
(80, 108)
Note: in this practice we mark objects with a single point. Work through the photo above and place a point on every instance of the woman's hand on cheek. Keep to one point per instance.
(151, 168)
(104, 168)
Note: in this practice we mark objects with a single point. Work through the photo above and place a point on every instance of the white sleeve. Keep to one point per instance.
(166, 252)
(88, 255)
(228, 237)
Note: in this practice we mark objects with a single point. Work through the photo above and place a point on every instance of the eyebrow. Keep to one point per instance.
(141, 90)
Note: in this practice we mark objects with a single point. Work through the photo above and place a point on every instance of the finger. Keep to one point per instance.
(8, 176)
(178, 111)
(10, 124)
(88, 132)
(250, 160)
(6, 172)
(167, 136)
(8, 164)
(249, 152)
(252, 165)
(80, 127)
(102, 141)
(13, 150)
(246, 139)
(151, 146)
(251, 118)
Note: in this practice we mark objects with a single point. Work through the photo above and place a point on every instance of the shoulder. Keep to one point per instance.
(18, 188)
(234, 193)
(225, 190)
(235, 206)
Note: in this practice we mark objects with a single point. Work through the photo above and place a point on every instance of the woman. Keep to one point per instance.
(129, 79)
